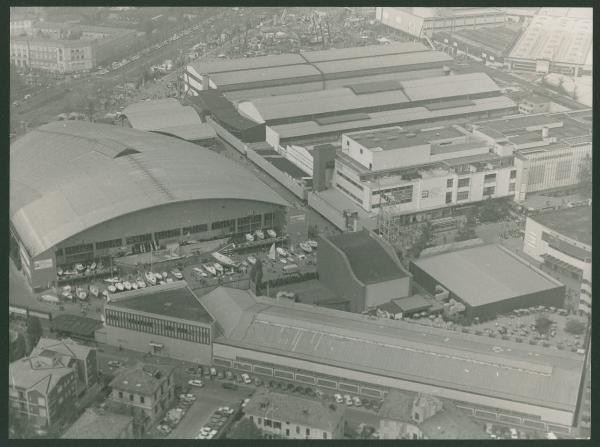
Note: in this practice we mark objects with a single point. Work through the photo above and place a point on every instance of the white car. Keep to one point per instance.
(204, 431)
(338, 398)
(246, 379)
(283, 261)
(252, 260)
(245, 402)
(196, 382)
(187, 396)
(357, 401)
(348, 400)
(164, 428)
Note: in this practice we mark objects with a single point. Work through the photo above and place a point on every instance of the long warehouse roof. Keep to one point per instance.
(68, 176)
(433, 356)
(390, 117)
(345, 99)
(310, 56)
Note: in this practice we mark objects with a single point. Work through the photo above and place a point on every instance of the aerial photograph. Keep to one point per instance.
(332, 223)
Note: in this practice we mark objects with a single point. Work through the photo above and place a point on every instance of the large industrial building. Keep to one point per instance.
(425, 21)
(312, 71)
(549, 148)
(419, 172)
(562, 241)
(558, 40)
(362, 269)
(166, 320)
(350, 353)
(82, 192)
(489, 280)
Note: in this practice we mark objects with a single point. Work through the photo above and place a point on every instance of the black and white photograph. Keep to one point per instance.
(300, 222)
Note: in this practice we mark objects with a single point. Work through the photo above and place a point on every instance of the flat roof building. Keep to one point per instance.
(558, 40)
(167, 319)
(549, 148)
(425, 21)
(350, 353)
(562, 241)
(488, 280)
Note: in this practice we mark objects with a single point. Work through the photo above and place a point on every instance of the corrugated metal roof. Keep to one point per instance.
(189, 132)
(247, 63)
(366, 51)
(390, 60)
(327, 101)
(443, 358)
(266, 74)
(392, 117)
(65, 178)
(160, 114)
(448, 86)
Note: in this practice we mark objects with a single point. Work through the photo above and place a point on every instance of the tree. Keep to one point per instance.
(575, 327)
(585, 176)
(256, 275)
(466, 231)
(493, 210)
(34, 330)
(245, 429)
(423, 240)
(542, 324)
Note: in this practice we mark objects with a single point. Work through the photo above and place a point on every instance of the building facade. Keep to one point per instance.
(561, 240)
(41, 390)
(144, 392)
(425, 21)
(288, 417)
(365, 287)
(548, 149)
(184, 332)
(60, 56)
(412, 173)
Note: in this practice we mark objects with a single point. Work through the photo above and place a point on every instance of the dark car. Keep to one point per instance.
(230, 386)
(220, 375)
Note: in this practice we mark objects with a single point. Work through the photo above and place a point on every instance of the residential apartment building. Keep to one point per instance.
(82, 359)
(416, 173)
(549, 149)
(562, 241)
(21, 24)
(144, 392)
(42, 389)
(283, 416)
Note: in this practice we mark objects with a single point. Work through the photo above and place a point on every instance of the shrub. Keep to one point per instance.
(478, 332)
(546, 344)
(543, 324)
(532, 342)
(519, 340)
(505, 337)
(492, 335)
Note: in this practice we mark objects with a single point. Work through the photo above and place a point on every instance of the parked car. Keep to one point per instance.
(348, 400)
(245, 402)
(196, 382)
(188, 396)
(246, 379)
(230, 386)
(338, 398)
(357, 401)
(229, 375)
(114, 364)
(213, 371)
(258, 381)
(220, 375)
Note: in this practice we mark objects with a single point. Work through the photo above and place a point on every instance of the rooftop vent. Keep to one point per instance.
(128, 151)
(411, 135)
(125, 382)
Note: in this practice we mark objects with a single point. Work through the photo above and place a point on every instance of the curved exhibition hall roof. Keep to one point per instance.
(68, 176)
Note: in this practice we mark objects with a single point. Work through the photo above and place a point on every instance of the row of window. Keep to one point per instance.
(245, 225)
(277, 425)
(157, 326)
(348, 179)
